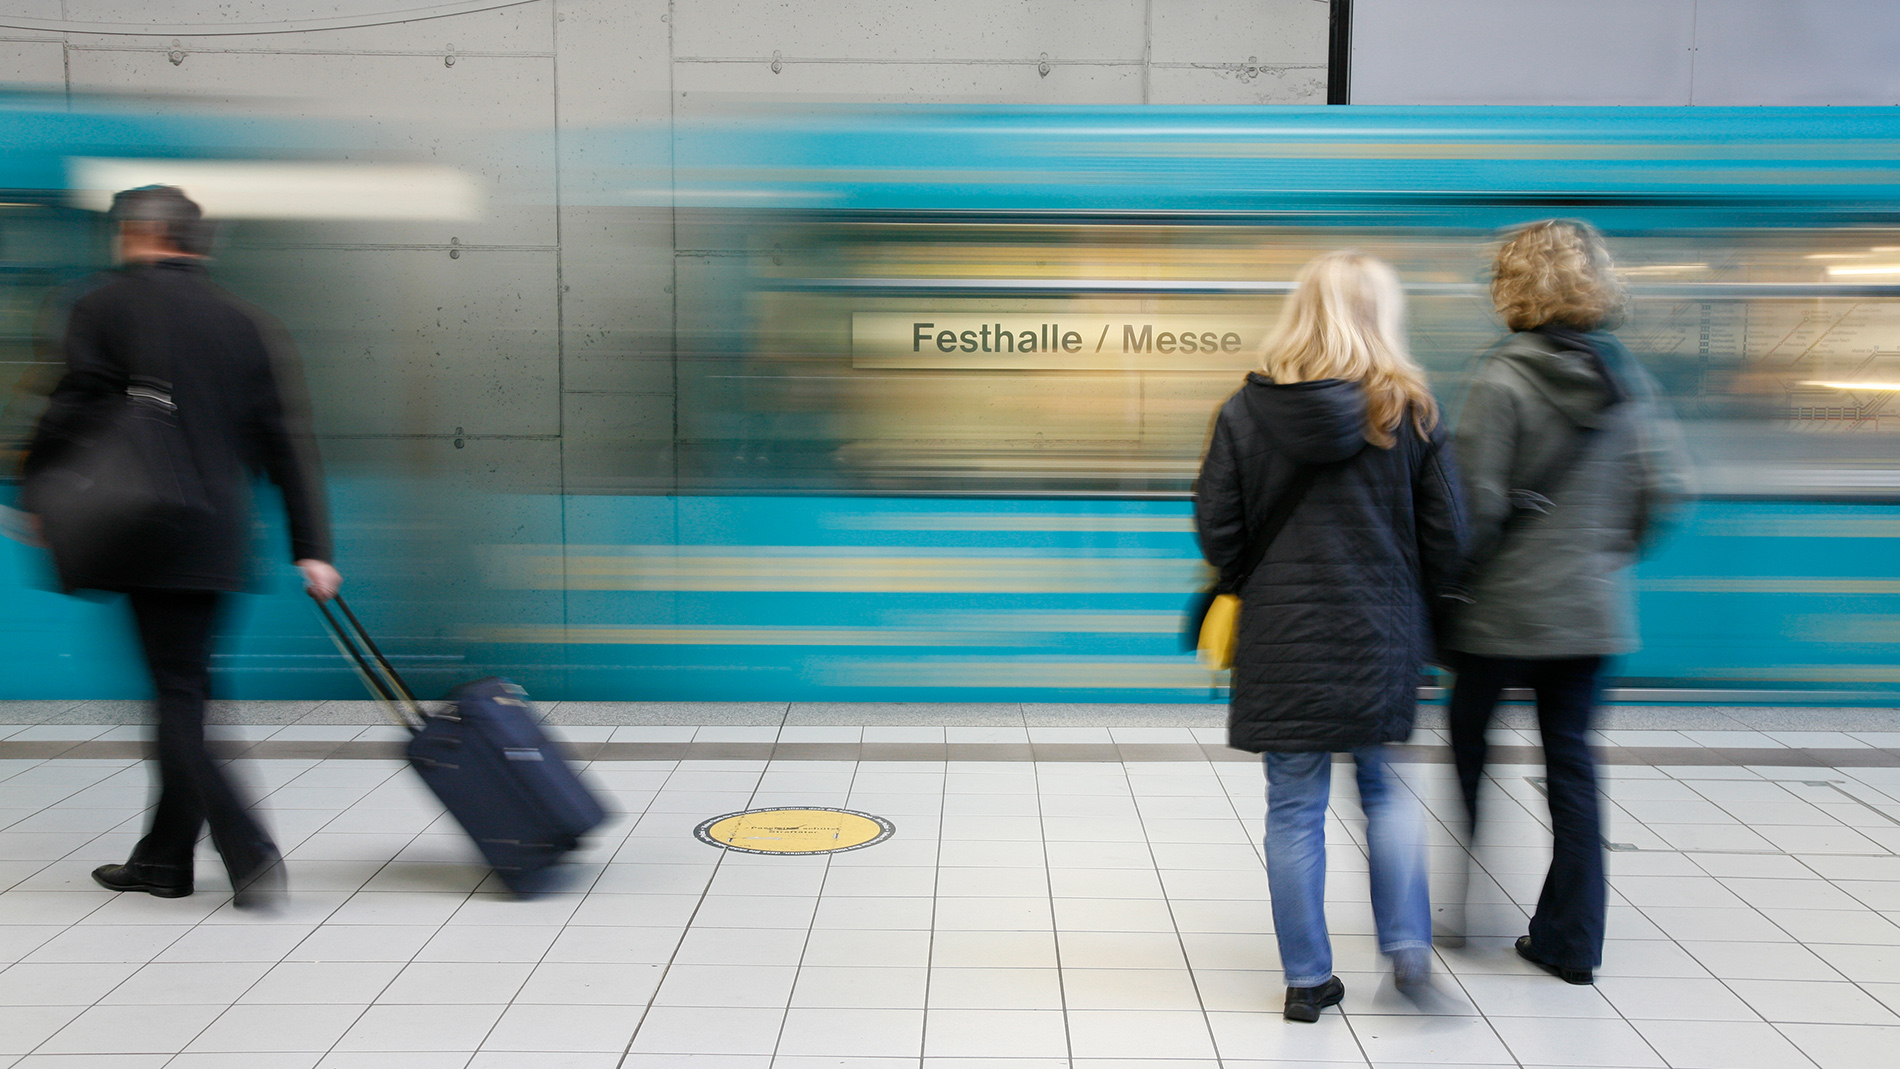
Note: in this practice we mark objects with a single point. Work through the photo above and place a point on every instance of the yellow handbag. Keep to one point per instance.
(1220, 630)
(1214, 615)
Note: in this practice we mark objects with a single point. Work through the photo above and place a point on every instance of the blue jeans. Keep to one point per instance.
(1297, 789)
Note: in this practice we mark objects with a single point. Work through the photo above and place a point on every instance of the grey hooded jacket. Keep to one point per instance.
(1556, 583)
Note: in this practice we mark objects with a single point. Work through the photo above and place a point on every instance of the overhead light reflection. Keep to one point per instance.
(1664, 269)
(1877, 386)
(1864, 269)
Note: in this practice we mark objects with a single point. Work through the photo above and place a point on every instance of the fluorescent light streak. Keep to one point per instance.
(1664, 269)
(1875, 386)
(1863, 269)
(278, 189)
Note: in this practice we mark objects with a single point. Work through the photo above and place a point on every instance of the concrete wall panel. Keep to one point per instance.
(707, 86)
(33, 63)
(913, 30)
(614, 61)
(1272, 31)
(412, 342)
(1237, 83)
(1238, 52)
(508, 29)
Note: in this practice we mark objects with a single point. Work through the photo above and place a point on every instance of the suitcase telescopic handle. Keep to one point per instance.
(385, 684)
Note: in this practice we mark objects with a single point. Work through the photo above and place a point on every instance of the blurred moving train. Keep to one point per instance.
(917, 394)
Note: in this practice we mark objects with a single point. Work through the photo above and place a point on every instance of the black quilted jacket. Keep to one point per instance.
(1335, 623)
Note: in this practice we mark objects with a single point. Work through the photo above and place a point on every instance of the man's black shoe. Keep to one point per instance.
(1568, 976)
(1304, 1003)
(262, 886)
(165, 881)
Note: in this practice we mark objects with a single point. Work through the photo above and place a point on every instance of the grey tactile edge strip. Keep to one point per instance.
(1610, 717)
(1782, 757)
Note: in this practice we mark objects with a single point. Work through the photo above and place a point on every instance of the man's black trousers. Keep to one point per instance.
(175, 630)
(1567, 928)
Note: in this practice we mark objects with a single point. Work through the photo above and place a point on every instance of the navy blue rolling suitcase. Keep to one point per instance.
(488, 762)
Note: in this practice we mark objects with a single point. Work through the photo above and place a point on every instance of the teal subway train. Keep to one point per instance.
(880, 403)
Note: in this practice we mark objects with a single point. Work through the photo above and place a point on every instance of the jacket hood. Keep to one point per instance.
(1567, 368)
(1312, 422)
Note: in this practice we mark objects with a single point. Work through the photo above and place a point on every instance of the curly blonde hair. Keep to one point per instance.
(1556, 271)
(1346, 320)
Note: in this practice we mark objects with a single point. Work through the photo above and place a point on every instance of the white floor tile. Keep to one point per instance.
(1594, 1041)
(1128, 989)
(1431, 1040)
(977, 950)
(515, 942)
(848, 946)
(676, 1030)
(590, 984)
(423, 983)
(1837, 1046)
(1150, 1033)
(995, 988)
(1721, 1045)
(132, 1029)
(851, 1032)
(956, 1033)
(1813, 1002)
(1267, 1037)
(726, 985)
(412, 1028)
(248, 1028)
(554, 1028)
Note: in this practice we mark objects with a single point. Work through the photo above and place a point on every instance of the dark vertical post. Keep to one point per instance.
(1339, 53)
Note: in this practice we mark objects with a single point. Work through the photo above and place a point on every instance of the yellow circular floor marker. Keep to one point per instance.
(795, 830)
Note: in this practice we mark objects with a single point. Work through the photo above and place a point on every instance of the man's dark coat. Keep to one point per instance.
(240, 411)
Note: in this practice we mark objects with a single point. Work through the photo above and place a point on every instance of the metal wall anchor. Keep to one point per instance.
(778, 62)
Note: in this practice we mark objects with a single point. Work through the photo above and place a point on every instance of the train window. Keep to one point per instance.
(44, 248)
(1779, 349)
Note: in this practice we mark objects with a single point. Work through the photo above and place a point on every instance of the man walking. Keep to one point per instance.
(159, 317)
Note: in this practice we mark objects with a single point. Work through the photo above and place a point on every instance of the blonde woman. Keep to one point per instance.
(1335, 442)
(1569, 462)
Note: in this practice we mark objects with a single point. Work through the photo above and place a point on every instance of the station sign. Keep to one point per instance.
(1056, 341)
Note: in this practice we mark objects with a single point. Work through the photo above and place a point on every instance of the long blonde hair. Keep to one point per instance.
(1346, 320)
(1556, 271)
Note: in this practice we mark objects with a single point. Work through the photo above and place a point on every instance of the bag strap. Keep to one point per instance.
(142, 379)
(1535, 497)
(1282, 511)
(385, 684)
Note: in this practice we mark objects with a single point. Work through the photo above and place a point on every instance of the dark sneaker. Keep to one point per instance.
(1412, 970)
(1568, 976)
(165, 881)
(1304, 1003)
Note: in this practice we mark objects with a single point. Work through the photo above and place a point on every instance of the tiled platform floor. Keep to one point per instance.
(1103, 913)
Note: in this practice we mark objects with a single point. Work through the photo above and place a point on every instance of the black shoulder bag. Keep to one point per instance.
(117, 504)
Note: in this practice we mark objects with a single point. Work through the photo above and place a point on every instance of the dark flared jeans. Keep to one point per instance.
(1567, 928)
(175, 629)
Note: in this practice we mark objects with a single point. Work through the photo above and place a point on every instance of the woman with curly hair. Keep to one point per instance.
(1569, 461)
